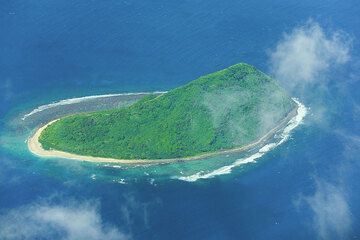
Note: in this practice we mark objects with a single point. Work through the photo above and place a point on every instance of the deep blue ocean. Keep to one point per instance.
(306, 188)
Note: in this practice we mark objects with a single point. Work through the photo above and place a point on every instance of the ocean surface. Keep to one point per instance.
(302, 184)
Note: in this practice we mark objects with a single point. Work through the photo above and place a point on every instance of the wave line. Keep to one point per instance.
(292, 124)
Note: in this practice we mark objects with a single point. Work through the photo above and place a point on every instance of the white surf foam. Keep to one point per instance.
(80, 99)
(285, 135)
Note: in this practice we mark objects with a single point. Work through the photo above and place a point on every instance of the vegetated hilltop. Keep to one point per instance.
(222, 110)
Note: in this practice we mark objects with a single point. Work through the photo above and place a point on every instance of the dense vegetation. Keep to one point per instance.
(221, 110)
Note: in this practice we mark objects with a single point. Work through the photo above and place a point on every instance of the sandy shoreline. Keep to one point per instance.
(35, 147)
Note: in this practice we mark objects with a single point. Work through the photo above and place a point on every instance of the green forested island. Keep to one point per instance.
(223, 110)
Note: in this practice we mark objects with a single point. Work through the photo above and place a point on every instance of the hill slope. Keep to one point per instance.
(222, 110)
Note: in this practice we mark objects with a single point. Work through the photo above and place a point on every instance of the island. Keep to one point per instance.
(231, 110)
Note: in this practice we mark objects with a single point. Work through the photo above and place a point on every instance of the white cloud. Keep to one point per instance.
(72, 221)
(305, 55)
(331, 213)
(305, 61)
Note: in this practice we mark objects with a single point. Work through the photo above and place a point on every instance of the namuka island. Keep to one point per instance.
(233, 110)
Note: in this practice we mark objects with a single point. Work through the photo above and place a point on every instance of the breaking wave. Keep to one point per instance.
(292, 124)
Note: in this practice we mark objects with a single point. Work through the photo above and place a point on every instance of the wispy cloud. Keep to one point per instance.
(350, 143)
(135, 212)
(305, 55)
(331, 212)
(304, 61)
(70, 221)
(6, 90)
(356, 111)
(330, 204)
